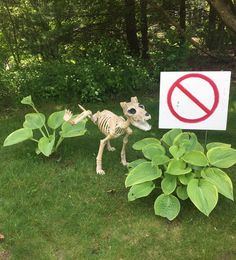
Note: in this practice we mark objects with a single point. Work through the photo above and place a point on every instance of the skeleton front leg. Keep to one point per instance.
(125, 141)
(68, 116)
(103, 143)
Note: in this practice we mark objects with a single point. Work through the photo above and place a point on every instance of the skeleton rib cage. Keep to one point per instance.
(104, 121)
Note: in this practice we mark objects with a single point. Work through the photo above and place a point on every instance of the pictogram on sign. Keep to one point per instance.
(194, 100)
(178, 84)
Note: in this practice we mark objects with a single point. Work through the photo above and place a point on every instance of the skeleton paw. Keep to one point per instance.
(100, 172)
(124, 163)
(111, 149)
(67, 115)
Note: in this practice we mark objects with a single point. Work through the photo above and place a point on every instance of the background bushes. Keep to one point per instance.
(90, 79)
(103, 72)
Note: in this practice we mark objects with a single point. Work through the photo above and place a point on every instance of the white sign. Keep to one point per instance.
(194, 100)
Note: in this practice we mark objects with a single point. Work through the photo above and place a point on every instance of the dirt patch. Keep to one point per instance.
(227, 256)
(4, 255)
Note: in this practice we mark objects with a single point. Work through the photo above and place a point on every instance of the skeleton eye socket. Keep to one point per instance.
(132, 111)
(142, 106)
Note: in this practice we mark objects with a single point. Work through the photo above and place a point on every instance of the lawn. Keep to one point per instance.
(61, 209)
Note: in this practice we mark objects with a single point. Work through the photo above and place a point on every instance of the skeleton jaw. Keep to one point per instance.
(143, 125)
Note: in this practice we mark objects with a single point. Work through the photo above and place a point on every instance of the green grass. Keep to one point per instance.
(63, 210)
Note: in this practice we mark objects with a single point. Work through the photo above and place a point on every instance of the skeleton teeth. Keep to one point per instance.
(143, 125)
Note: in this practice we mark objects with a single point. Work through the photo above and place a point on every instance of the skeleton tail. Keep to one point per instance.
(93, 117)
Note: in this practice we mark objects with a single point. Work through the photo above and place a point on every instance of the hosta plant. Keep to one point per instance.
(51, 131)
(183, 169)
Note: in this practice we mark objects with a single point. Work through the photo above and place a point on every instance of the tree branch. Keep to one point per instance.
(226, 11)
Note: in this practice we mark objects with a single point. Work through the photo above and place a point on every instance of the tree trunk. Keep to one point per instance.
(227, 12)
(221, 35)
(233, 35)
(210, 41)
(144, 28)
(131, 29)
(13, 46)
(182, 19)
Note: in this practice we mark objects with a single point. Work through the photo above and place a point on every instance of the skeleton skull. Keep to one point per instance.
(136, 113)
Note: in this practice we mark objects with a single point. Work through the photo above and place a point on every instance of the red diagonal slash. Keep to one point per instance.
(177, 84)
(194, 99)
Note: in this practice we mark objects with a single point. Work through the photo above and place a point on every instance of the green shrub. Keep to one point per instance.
(89, 79)
(7, 90)
(50, 139)
(182, 168)
(97, 73)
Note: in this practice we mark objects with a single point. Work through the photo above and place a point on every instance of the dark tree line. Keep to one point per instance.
(49, 30)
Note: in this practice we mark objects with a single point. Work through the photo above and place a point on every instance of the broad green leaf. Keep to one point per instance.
(199, 147)
(169, 137)
(168, 184)
(18, 136)
(55, 120)
(27, 101)
(45, 145)
(136, 162)
(177, 167)
(186, 178)
(181, 138)
(34, 120)
(217, 144)
(221, 180)
(142, 173)
(177, 151)
(195, 158)
(167, 206)
(140, 190)
(151, 150)
(222, 157)
(69, 130)
(188, 141)
(160, 159)
(181, 192)
(190, 144)
(142, 143)
(203, 194)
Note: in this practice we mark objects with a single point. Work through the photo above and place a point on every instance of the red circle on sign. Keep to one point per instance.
(177, 84)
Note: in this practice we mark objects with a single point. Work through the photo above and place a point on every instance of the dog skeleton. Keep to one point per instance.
(113, 126)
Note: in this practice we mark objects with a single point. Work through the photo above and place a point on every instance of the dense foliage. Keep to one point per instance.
(87, 80)
(179, 165)
(92, 50)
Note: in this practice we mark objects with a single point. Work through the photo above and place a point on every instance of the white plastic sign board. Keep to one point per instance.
(194, 100)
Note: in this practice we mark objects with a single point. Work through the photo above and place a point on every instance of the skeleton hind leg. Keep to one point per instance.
(123, 151)
(103, 142)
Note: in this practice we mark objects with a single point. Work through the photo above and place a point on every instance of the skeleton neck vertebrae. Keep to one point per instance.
(113, 126)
